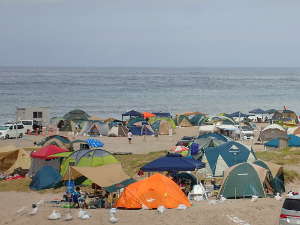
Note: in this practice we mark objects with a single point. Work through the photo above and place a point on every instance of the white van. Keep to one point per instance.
(12, 131)
(28, 125)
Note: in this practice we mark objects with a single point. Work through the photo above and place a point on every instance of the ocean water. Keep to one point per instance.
(106, 92)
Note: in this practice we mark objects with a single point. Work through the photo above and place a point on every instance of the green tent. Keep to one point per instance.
(183, 121)
(198, 120)
(86, 157)
(246, 179)
(277, 174)
(162, 125)
(77, 115)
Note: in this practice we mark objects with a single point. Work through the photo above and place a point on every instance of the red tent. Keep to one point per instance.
(45, 152)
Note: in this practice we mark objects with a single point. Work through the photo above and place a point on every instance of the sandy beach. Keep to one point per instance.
(262, 212)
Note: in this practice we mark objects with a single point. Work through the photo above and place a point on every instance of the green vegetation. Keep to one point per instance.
(132, 163)
(283, 157)
(287, 156)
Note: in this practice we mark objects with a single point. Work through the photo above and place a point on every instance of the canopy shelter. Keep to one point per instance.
(245, 180)
(150, 193)
(257, 111)
(237, 114)
(162, 114)
(173, 162)
(103, 176)
(132, 113)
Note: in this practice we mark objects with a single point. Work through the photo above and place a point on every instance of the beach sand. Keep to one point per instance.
(262, 212)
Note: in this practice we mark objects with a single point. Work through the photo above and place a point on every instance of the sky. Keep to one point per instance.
(150, 33)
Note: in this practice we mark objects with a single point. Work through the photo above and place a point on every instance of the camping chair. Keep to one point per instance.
(198, 193)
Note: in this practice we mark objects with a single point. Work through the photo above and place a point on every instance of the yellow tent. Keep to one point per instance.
(12, 158)
(103, 176)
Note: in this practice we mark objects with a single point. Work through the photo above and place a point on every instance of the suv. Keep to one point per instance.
(12, 131)
(290, 212)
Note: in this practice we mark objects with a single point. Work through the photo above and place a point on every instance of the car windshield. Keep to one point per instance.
(27, 122)
(3, 128)
(246, 128)
(291, 204)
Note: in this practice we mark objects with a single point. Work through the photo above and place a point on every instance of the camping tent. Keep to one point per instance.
(88, 158)
(163, 125)
(219, 158)
(198, 119)
(43, 157)
(183, 121)
(12, 158)
(216, 136)
(237, 114)
(118, 131)
(76, 115)
(60, 141)
(132, 113)
(272, 131)
(293, 141)
(245, 180)
(103, 176)
(173, 162)
(46, 177)
(277, 180)
(157, 190)
(294, 130)
(67, 125)
(94, 128)
(285, 115)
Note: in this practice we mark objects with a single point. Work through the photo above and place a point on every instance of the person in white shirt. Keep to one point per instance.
(129, 135)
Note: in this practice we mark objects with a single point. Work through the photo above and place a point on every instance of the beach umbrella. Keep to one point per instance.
(148, 115)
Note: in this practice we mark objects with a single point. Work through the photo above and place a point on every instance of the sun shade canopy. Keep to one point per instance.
(103, 176)
(173, 162)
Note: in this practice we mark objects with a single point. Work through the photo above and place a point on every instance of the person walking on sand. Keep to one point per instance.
(129, 135)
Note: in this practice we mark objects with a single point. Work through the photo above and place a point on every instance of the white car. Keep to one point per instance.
(28, 125)
(12, 131)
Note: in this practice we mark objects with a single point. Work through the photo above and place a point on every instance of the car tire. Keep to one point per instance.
(7, 136)
(20, 135)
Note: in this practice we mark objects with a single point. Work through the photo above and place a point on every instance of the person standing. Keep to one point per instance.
(129, 135)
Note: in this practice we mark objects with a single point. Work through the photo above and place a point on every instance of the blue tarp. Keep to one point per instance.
(93, 143)
(173, 162)
(257, 111)
(132, 113)
(293, 141)
(232, 153)
(46, 177)
(214, 135)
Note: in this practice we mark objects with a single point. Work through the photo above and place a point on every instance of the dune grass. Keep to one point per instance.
(287, 156)
(132, 163)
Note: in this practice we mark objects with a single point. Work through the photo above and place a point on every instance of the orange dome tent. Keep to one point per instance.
(157, 190)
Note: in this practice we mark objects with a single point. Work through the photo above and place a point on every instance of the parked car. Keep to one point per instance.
(290, 211)
(12, 131)
(28, 125)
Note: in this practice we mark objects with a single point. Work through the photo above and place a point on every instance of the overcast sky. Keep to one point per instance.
(164, 33)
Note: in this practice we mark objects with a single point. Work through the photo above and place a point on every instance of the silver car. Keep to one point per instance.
(290, 212)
